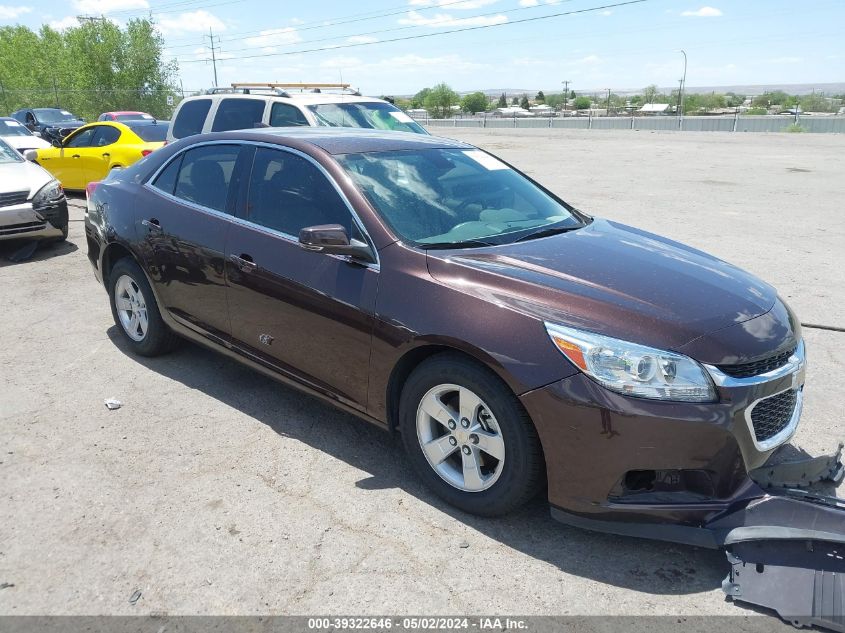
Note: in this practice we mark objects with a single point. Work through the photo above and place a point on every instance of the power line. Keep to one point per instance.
(427, 35)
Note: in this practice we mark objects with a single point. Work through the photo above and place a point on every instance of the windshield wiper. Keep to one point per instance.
(461, 244)
(545, 232)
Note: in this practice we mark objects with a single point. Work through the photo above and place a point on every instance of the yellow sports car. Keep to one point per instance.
(91, 151)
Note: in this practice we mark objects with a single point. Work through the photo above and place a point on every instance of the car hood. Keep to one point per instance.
(611, 279)
(60, 125)
(23, 175)
(25, 142)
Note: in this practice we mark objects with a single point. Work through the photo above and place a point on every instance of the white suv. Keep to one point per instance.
(243, 108)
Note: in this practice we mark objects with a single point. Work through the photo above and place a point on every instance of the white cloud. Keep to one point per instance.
(467, 4)
(102, 7)
(272, 38)
(192, 22)
(401, 64)
(361, 39)
(786, 60)
(606, 12)
(10, 13)
(529, 3)
(444, 19)
(65, 23)
(703, 12)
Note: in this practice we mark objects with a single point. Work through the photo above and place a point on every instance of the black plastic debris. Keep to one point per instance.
(23, 253)
(136, 595)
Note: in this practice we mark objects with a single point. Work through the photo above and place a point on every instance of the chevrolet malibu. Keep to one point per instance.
(430, 288)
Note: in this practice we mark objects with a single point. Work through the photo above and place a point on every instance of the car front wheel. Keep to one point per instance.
(135, 310)
(469, 437)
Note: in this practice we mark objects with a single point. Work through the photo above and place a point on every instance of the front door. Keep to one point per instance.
(307, 314)
(184, 215)
(66, 163)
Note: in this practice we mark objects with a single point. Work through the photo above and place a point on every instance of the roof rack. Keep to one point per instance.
(281, 89)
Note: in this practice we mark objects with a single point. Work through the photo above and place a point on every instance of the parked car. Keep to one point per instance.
(224, 111)
(32, 202)
(94, 150)
(125, 115)
(17, 135)
(52, 124)
(426, 286)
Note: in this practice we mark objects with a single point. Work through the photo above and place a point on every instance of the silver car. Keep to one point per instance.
(32, 202)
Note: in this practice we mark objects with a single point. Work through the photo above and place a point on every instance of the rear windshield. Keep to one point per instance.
(13, 128)
(151, 133)
(367, 114)
(191, 117)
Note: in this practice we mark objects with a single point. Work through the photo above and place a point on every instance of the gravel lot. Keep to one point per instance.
(214, 490)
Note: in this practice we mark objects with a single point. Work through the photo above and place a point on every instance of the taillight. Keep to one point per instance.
(146, 152)
(89, 193)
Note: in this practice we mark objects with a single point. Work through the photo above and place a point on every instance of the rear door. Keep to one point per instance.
(184, 215)
(307, 314)
(238, 114)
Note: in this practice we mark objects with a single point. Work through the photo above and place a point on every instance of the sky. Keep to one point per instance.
(524, 44)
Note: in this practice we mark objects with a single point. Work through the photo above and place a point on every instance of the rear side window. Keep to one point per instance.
(284, 115)
(191, 118)
(237, 114)
(205, 174)
(105, 135)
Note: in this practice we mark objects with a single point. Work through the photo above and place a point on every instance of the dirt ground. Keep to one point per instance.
(214, 490)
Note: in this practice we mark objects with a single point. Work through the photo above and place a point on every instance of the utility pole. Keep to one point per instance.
(213, 53)
(607, 107)
(565, 95)
(683, 87)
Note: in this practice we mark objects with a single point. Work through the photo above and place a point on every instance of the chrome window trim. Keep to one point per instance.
(796, 363)
(788, 431)
(253, 225)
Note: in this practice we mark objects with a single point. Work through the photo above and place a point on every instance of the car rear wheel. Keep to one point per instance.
(135, 310)
(469, 437)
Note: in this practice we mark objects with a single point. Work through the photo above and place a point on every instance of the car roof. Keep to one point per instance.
(307, 98)
(341, 140)
(124, 112)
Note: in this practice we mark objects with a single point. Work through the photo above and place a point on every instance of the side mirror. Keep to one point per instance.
(55, 142)
(30, 155)
(37, 133)
(332, 239)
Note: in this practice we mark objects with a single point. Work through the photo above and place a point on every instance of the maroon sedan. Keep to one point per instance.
(428, 287)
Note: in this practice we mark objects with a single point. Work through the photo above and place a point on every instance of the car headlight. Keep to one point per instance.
(632, 369)
(48, 195)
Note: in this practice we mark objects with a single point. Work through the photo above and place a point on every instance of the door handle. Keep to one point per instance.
(106, 155)
(152, 224)
(75, 156)
(244, 262)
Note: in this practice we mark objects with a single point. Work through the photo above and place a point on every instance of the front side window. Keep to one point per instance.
(237, 114)
(446, 197)
(84, 138)
(191, 117)
(205, 174)
(288, 193)
(105, 135)
(365, 114)
(285, 115)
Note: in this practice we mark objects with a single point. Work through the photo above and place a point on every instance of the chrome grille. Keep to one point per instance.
(747, 370)
(771, 415)
(13, 197)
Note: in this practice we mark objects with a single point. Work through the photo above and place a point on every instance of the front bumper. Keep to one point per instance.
(24, 222)
(611, 457)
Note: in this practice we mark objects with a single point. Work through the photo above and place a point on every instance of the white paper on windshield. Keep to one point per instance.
(13, 124)
(64, 111)
(485, 160)
(401, 117)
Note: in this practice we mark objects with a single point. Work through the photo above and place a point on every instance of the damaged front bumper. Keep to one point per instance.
(24, 222)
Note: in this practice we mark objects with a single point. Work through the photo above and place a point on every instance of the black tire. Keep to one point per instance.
(158, 339)
(523, 469)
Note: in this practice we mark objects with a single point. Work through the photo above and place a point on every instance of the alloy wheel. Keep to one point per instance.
(131, 308)
(460, 437)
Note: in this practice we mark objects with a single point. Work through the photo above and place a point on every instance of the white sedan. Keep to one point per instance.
(18, 135)
(32, 202)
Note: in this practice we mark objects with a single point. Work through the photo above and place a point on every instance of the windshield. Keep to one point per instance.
(134, 116)
(50, 115)
(151, 133)
(453, 197)
(8, 155)
(369, 114)
(13, 128)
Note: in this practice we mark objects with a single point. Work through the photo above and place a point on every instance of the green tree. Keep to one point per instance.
(503, 101)
(540, 98)
(515, 101)
(650, 93)
(418, 100)
(474, 102)
(523, 103)
(582, 103)
(439, 101)
(817, 103)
